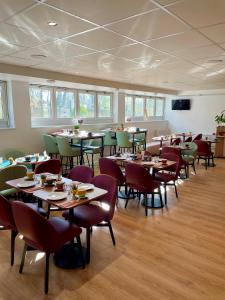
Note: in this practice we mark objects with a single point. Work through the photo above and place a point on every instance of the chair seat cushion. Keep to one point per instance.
(188, 158)
(87, 215)
(165, 177)
(40, 210)
(8, 192)
(145, 189)
(205, 154)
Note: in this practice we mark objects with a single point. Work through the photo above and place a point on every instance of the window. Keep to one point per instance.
(138, 107)
(65, 104)
(4, 121)
(86, 105)
(104, 106)
(128, 106)
(40, 102)
(159, 107)
(142, 108)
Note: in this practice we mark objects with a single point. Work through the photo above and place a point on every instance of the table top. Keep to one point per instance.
(43, 193)
(132, 130)
(157, 165)
(33, 161)
(81, 135)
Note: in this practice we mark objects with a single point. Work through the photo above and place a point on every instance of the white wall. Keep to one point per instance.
(29, 140)
(200, 118)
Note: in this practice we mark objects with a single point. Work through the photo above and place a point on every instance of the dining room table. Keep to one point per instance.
(31, 160)
(81, 136)
(68, 257)
(155, 164)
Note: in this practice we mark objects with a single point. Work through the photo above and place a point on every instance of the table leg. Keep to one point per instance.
(102, 146)
(133, 144)
(81, 152)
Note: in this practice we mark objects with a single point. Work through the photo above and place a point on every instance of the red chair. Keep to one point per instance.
(168, 149)
(176, 141)
(188, 140)
(90, 215)
(44, 235)
(109, 167)
(82, 174)
(198, 137)
(172, 175)
(204, 152)
(138, 178)
(50, 166)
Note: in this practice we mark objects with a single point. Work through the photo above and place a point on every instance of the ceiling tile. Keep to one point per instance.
(7, 48)
(100, 39)
(58, 49)
(11, 7)
(151, 25)
(37, 18)
(188, 39)
(201, 52)
(103, 11)
(199, 13)
(20, 36)
(215, 33)
(165, 2)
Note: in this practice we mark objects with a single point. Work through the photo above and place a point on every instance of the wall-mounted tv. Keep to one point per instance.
(181, 104)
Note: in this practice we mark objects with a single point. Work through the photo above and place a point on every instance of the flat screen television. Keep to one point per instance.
(181, 104)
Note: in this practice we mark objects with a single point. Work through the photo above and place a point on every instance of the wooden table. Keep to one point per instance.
(68, 257)
(82, 136)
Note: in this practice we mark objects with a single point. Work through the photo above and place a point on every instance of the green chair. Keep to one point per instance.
(123, 141)
(14, 153)
(93, 147)
(189, 154)
(110, 141)
(139, 140)
(68, 153)
(10, 173)
(51, 145)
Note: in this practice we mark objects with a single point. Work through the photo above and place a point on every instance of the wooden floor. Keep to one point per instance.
(175, 253)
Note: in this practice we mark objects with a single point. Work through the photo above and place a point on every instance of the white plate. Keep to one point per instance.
(86, 186)
(55, 196)
(26, 184)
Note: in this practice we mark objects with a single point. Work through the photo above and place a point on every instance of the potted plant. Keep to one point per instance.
(220, 119)
(76, 128)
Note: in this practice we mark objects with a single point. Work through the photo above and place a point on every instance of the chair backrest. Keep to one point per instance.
(174, 157)
(191, 149)
(10, 173)
(176, 141)
(81, 174)
(123, 139)
(14, 153)
(111, 168)
(169, 149)
(36, 230)
(197, 137)
(64, 146)
(189, 139)
(138, 177)
(50, 166)
(108, 140)
(50, 144)
(109, 184)
(203, 147)
(6, 215)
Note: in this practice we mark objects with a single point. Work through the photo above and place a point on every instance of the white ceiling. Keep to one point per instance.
(163, 43)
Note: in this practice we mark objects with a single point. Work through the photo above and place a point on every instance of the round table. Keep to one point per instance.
(33, 161)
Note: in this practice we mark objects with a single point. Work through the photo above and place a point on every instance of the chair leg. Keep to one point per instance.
(48, 211)
(88, 160)
(146, 205)
(80, 251)
(88, 241)
(193, 165)
(13, 237)
(92, 161)
(46, 272)
(111, 233)
(23, 258)
(160, 196)
(175, 189)
(165, 192)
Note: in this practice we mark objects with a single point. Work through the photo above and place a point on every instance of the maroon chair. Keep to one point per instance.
(172, 174)
(50, 166)
(198, 137)
(90, 215)
(204, 152)
(138, 178)
(189, 139)
(82, 174)
(44, 235)
(176, 141)
(109, 167)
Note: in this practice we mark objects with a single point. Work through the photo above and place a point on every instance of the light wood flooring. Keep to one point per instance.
(175, 253)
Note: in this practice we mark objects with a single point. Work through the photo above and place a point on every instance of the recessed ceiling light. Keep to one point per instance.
(52, 23)
(214, 61)
(158, 60)
(38, 56)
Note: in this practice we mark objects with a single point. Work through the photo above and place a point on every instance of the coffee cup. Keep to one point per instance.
(60, 185)
(81, 192)
(30, 175)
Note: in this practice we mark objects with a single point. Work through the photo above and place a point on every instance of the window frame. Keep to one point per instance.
(144, 117)
(75, 103)
(4, 122)
(111, 105)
